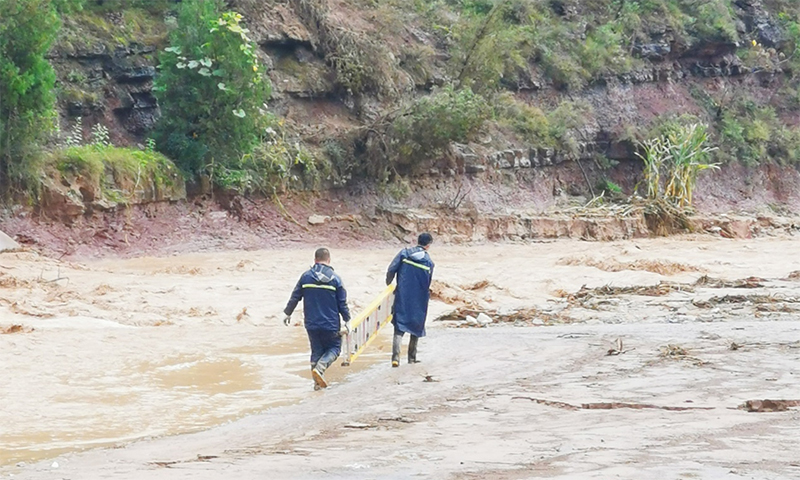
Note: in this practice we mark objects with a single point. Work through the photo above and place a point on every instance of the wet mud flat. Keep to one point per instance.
(669, 358)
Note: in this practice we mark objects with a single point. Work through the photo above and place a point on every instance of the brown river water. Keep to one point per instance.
(114, 351)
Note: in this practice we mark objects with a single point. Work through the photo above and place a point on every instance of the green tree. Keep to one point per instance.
(211, 90)
(27, 29)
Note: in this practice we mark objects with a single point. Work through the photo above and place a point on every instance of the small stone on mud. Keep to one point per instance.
(471, 320)
(484, 319)
(318, 219)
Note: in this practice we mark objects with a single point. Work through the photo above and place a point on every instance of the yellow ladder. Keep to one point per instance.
(365, 327)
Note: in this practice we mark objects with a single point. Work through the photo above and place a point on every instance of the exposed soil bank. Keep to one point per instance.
(540, 203)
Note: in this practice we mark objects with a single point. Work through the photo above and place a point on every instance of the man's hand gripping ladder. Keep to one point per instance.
(365, 327)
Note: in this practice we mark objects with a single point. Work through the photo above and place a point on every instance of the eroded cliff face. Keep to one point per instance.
(107, 77)
(106, 64)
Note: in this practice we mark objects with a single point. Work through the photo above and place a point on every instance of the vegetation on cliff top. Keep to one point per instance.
(458, 72)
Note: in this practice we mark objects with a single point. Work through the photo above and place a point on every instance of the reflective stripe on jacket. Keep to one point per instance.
(324, 298)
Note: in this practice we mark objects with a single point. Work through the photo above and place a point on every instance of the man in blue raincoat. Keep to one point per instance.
(414, 270)
(324, 301)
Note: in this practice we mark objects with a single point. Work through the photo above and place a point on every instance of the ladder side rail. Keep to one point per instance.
(365, 326)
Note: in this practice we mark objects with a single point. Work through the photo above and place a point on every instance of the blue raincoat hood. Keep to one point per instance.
(324, 299)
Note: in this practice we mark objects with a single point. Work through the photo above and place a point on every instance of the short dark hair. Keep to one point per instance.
(424, 239)
(322, 255)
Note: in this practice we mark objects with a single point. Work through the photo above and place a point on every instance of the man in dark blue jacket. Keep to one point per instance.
(324, 300)
(414, 270)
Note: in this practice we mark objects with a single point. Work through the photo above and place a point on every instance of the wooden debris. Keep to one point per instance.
(608, 405)
(396, 419)
(673, 351)
(11, 329)
(617, 349)
(359, 426)
(478, 285)
(794, 276)
(749, 282)
(524, 317)
(761, 406)
(661, 267)
(659, 290)
(677, 352)
(752, 299)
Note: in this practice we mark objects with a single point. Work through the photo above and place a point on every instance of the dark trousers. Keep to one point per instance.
(397, 341)
(325, 348)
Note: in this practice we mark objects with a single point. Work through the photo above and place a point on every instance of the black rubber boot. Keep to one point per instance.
(412, 349)
(397, 343)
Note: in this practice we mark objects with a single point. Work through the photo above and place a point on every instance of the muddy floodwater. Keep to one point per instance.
(158, 351)
(114, 351)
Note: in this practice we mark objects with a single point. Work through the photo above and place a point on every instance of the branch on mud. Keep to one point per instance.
(55, 280)
(286, 213)
(760, 406)
(607, 405)
(586, 177)
(617, 349)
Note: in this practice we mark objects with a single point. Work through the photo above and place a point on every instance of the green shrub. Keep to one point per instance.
(71, 6)
(274, 165)
(362, 64)
(342, 158)
(555, 129)
(428, 126)
(211, 90)
(27, 81)
(478, 38)
(87, 26)
(673, 161)
(571, 50)
(609, 188)
(571, 53)
(68, 6)
(791, 51)
(711, 19)
(785, 148)
(529, 122)
(753, 134)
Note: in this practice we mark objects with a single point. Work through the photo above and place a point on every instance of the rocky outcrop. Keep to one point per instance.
(758, 20)
(111, 86)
